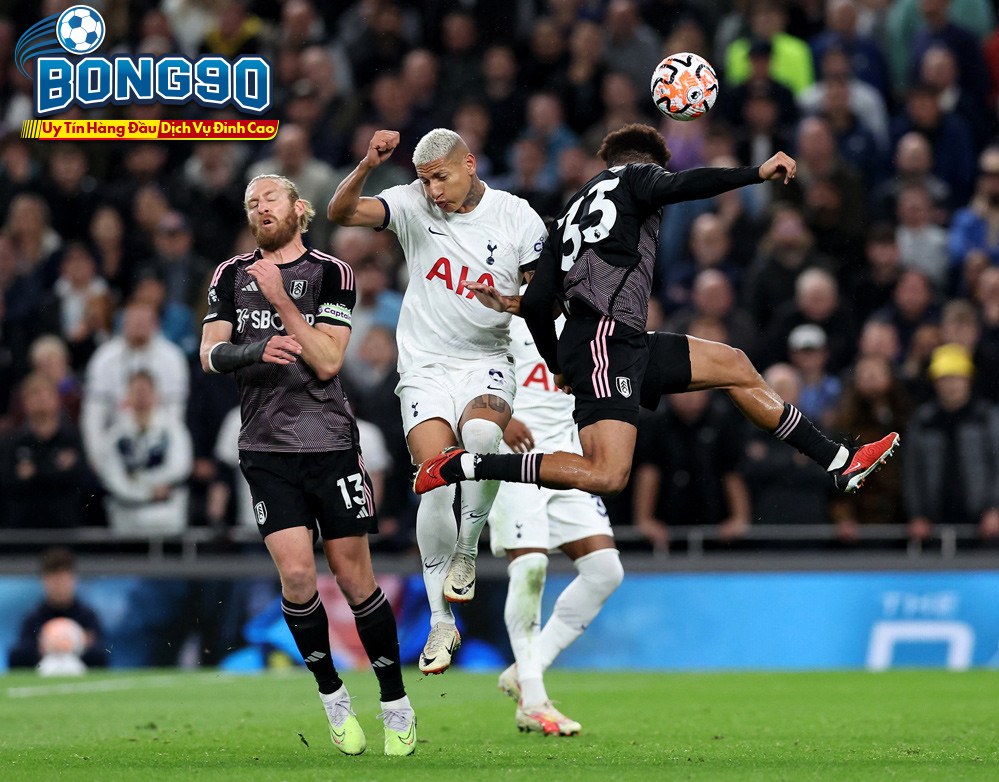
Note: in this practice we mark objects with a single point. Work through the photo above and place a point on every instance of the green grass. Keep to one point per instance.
(910, 725)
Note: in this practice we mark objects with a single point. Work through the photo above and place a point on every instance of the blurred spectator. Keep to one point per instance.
(873, 401)
(686, 468)
(64, 310)
(49, 356)
(784, 252)
(952, 453)
(176, 319)
(922, 244)
(856, 142)
(339, 109)
(229, 487)
(790, 60)
(69, 190)
(865, 103)
(460, 72)
(19, 171)
(44, 476)
(213, 180)
(830, 191)
(907, 17)
(620, 101)
(140, 346)
(913, 166)
(960, 324)
(37, 638)
(786, 486)
(144, 460)
(759, 83)
(236, 31)
(376, 37)
(973, 229)
(816, 301)
(545, 63)
(420, 78)
(938, 69)
(546, 125)
(183, 272)
(504, 100)
(819, 391)
(633, 46)
(532, 178)
(29, 230)
(713, 296)
(939, 29)
(759, 131)
(911, 307)
(880, 338)
(948, 134)
(113, 250)
(872, 288)
(867, 61)
(709, 247)
(584, 76)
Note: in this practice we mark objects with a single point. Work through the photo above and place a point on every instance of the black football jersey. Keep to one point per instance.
(285, 407)
(601, 251)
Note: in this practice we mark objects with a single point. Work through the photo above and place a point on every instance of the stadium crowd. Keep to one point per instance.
(868, 288)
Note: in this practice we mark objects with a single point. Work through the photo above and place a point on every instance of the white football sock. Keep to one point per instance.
(478, 435)
(436, 533)
(522, 614)
(600, 573)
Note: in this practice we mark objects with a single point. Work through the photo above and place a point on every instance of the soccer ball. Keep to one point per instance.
(80, 29)
(62, 636)
(684, 86)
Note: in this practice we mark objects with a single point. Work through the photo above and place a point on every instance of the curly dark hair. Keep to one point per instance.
(635, 143)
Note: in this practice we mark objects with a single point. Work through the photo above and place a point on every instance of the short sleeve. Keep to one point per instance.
(398, 201)
(532, 240)
(337, 295)
(221, 293)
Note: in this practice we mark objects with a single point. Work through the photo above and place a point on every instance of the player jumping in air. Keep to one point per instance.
(526, 523)
(597, 264)
(279, 318)
(456, 375)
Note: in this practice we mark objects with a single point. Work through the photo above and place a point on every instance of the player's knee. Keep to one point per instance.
(602, 570)
(480, 435)
(298, 582)
(744, 373)
(356, 586)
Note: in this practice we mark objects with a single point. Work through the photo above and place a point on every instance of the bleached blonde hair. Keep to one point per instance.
(438, 143)
(292, 190)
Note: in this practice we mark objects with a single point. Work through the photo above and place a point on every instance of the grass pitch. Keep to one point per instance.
(910, 725)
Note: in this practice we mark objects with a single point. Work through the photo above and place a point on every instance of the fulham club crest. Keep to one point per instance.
(298, 288)
(624, 386)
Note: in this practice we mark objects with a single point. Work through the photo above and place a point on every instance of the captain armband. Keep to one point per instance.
(225, 357)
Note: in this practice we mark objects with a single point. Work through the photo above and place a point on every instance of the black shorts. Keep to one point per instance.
(612, 369)
(328, 492)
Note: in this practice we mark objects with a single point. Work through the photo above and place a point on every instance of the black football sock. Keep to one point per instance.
(796, 430)
(310, 628)
(509, 467)
(377, 631)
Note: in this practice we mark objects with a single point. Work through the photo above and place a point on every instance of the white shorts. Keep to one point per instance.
(525, 516)
(444, 391)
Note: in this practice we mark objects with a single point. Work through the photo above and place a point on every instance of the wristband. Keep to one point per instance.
(224, 357)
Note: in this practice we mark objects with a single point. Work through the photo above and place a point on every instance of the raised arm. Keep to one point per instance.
(662, 188)
(348, 206)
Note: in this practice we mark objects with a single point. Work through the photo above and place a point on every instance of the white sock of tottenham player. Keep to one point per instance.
(478, 435)
(436, 533)
(600, 573)
(522, 614)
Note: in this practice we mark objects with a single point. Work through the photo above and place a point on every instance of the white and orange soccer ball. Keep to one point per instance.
(684, 86)
(62, 636)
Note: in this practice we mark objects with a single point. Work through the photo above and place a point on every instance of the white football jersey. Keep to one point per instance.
(546, 410)
(441, 320)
